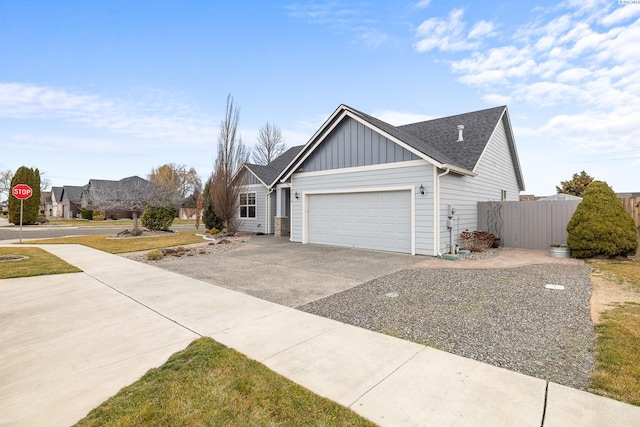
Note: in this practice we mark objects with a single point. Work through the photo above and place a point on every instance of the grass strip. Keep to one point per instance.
(209, 384)
(120, 223)
(39, 263)
(107, 242)
(619, 271)
(617, 371)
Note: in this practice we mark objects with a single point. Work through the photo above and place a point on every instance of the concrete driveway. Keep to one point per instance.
(291, 274)
(68, 342)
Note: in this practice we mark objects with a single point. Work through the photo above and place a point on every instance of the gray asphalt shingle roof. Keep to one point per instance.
(437, 138)
(268, 173)
(73, 193)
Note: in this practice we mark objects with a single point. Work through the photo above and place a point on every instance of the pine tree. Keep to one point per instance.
(600, 225)
(31, 208)
(576, 186)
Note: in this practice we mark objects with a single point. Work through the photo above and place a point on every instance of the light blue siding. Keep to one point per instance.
(259, 224)
(353, 144)
(411, 175)
(495, 171)
(251, 180)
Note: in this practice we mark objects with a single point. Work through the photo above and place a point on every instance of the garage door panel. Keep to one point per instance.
(370, 220)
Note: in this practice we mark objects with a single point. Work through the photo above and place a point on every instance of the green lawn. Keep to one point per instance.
(106, 242)
(209, 384)
(617, 369)
(40, 263)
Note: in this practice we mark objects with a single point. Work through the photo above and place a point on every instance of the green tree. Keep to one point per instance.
(209, 217)
(31, 177)
(576, 186)
(600, 225)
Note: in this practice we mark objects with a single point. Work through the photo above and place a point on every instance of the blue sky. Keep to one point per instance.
(110, 89)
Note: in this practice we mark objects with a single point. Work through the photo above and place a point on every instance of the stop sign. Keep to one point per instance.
(22, 191)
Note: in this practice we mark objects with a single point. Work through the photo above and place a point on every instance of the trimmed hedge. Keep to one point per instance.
(601, 226)
(158, 217)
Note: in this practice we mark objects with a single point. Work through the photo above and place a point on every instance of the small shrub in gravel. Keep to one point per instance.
(155, 255)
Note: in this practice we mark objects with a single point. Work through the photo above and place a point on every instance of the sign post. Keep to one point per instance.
(22, 192)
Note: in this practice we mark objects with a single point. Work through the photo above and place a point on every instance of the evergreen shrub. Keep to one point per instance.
(158, 217)
(600, 225)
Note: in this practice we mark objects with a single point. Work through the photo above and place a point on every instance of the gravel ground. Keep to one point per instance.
(178, 254)
(505, 317)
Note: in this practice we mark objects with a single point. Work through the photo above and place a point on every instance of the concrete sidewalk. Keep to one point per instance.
(68, 342)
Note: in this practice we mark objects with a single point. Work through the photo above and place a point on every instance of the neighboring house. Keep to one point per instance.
(45, 203)
(118, 198)
(56, 202)
(70, 201)
(361, 182)
(259, 209)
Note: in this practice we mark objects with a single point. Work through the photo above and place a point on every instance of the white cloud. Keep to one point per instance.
(422, 4)
(575, 66)
(481, 29)
(450, 35)
(496, 99)
(398, 118)
(157, 119)
(340, 19)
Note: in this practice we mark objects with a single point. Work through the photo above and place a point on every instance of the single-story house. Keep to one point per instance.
(70, 201)
(260, 211)
(364, 183)
(120, 198)
(55, 210)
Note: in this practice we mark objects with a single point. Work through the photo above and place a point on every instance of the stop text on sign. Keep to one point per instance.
(22, 191)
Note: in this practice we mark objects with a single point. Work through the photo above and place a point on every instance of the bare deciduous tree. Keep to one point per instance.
(226, 184)
(177, 179)
(270, 144)
(5, 183)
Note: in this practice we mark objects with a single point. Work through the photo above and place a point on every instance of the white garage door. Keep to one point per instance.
(378, 220)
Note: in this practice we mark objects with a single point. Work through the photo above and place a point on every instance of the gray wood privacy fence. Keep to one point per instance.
(527, 224)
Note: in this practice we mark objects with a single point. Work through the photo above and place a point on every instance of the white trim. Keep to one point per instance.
(303, 149)
(355, 117)
(244, 165)
(255, 205)
(336, 119)
(268, 211)
(355, 169)
(410, 188)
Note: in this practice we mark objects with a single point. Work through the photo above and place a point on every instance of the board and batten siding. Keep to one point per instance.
(257, 225)
(495, 172)
(412, 173)
(353, 144)
(252, 180)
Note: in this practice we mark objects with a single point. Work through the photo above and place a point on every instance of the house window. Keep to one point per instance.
(248, 205)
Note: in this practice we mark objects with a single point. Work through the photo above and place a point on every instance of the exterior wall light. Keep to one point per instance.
(297, 195)
(421, 190)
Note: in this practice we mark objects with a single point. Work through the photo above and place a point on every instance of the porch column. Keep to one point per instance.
(281, 226)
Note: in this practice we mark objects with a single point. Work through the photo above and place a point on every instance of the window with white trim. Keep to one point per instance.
(248, 205)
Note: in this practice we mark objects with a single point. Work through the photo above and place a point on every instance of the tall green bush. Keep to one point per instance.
(209, 218)
(158, 217)
(600, 225)
(31, 208)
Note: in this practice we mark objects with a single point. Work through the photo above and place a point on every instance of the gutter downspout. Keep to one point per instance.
(436, 214)
(268, 203)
